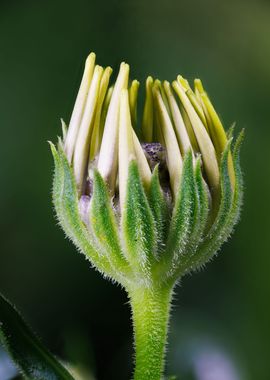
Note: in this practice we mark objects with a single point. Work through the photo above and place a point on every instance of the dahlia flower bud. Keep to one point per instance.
(146, 201)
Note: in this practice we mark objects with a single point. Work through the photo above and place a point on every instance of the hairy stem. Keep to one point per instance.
(150, 313)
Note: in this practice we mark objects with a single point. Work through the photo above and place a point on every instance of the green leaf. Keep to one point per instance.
(27, 351)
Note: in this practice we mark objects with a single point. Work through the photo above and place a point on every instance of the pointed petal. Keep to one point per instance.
(189, 129)
(159, 85)
(216, 128)
(180, 129)
(95, 144)
(108, 157)
(78, 110)
(133, 96)
(104, 112)
(126, 145)
(81, 151)
(184, 82)
(144, 169)
(174, 159)
(217, 131)
(129, 149)
(205, 144)
(193, 99)
(148, 113)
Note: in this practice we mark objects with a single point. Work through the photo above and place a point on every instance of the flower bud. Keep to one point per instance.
(152, 208)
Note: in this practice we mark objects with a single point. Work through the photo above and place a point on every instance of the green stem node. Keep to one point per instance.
(150, 313)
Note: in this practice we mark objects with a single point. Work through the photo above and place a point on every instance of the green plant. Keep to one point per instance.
(146, 202)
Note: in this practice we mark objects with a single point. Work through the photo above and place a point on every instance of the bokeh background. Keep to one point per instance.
(220, 328)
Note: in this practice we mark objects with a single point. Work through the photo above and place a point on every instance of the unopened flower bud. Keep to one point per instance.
(152, 208)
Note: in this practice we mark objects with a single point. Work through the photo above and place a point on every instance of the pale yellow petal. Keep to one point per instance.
(133, 96)
(126, 145)
(108, 157)
(81, 151)
(95, 143)
(148, 113)
(180, 129)
(205, 144)
(104, 112)
(189, 129)
(79, 106)
(144, 169)
(174, 158)
(192, 97)
(217, 131)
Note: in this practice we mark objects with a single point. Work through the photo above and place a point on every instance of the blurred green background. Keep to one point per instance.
(221, 319)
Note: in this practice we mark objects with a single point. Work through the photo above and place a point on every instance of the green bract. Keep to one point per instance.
(146, 202)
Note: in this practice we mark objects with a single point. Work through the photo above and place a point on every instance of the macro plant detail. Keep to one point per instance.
(146, 201)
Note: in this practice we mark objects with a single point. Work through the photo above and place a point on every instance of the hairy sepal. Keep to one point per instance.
(160, 210)
(104, 226)
(182, 218)
(138, 227)
(239, 185)
(201, 213)
(65, 199)
(228, 214)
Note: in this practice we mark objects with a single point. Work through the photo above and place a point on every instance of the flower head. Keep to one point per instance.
(151, 198)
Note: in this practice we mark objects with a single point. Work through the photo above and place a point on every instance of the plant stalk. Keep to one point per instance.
(150, 314)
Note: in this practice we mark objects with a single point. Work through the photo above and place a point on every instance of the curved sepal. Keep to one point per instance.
(228, 214)
(239, 184)
(201, 214)
(182, 217)
(65, 199)
(138, 226)
(160, 210)
(104, 226)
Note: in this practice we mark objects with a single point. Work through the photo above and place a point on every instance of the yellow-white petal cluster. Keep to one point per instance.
(105, 131)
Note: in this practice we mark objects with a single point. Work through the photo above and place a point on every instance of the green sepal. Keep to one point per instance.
(28, 353)
(226, 195)
(239, 183)
(104, 226)
(160, 210)
(214, 238)
(229, 210)
(65, 199)
(138, 226)
(201, 213)
(230, 131)
(182, 218)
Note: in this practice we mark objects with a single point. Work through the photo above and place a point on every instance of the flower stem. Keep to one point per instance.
(150, 313)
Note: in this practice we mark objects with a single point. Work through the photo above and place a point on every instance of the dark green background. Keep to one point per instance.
(223, 309)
